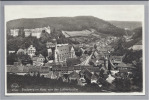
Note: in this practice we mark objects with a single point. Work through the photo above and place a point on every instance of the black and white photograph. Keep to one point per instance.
(74, 49)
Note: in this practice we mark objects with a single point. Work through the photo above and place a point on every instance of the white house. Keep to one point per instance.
(11, 52)
(31, 51)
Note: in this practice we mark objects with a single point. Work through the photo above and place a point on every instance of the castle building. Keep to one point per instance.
(31, 51)
(36, 32)
(14, 32)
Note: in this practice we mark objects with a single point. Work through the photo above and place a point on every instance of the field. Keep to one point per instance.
(76, 33)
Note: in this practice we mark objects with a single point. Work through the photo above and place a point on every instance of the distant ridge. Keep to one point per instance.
(68, 24)
(127, 24)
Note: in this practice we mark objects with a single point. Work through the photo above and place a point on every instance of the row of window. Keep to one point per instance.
(63, 56)
(30, 51)
(64, 50)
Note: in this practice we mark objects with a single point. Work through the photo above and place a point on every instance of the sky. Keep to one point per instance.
(105, 12)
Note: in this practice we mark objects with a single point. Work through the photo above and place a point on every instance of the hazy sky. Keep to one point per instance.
(106, 12)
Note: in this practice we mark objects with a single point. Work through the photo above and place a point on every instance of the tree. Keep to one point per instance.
(101, 73)
(131, 56)
(44, 52)
(119, 49)
(25, 59)
(38, 75)
(92, 63)
(95, 46)
(14, 43)
(44, 37)
(138, 77)
(21, 32)
(78, 52)
(9, 36)
(138, 33)
(122, 84)
(11, 58)
(72, 61)
(45, 61)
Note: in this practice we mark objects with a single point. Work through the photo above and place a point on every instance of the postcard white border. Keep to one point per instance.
(111, 93)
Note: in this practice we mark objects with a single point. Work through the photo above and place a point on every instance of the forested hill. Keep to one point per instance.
(127, 24)
(137, 37)
(68, 24)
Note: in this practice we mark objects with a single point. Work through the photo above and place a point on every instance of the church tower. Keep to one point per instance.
(56, 52)
(72, 53)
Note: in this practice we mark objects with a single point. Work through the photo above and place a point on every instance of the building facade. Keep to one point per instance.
(36, 32)
(14, 32)
(60, 51)
(31, 51)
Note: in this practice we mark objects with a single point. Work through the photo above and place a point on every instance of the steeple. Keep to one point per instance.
(72, 53)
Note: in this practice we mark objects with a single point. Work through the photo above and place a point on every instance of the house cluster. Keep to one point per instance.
(104, 42)
(60, 53)
(117, 66)
(128, 38)
(30, 51)
(81, 74)
(94, 68)
(36, 32)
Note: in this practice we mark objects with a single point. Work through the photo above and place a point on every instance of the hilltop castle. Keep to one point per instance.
(36, 32)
